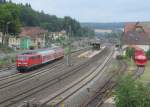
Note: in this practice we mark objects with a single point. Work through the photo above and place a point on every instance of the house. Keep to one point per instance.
(56, 35)
(136, 35)
(14, 42)
(32, 37)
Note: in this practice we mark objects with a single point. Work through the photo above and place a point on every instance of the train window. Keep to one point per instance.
(38, 57)
(35, 57)
(32, 57)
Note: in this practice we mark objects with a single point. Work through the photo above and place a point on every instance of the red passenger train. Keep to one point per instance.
(27, 61)
(140, 57)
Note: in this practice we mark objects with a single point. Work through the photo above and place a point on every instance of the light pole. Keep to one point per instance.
(7, 26)
(6, 35)
(69, 47)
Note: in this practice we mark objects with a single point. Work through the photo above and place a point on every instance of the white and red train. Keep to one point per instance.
(27, 61)
(140, 57)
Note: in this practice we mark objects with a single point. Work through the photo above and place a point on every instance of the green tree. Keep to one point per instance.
(130, 52)
(18, 15)
(131, 93)
(9, 13)
(28, 16)
(148, 54)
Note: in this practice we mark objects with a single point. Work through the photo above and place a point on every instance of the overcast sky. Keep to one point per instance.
(95, 10)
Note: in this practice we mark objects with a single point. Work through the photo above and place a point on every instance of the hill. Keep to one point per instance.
(103, 25)
(13, 16)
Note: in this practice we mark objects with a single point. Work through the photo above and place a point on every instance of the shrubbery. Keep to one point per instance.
(5, 49)
(148, 54)
(131, 93)
(130, 52)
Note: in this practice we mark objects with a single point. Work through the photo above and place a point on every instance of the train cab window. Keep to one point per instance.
(22, 58)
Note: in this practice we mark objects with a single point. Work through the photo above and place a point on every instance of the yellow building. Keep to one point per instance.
(14, 42)
(56, 35)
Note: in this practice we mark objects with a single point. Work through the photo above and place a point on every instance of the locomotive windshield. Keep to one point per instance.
(22, 58)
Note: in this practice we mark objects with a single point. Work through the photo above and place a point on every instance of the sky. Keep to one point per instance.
(95, 10)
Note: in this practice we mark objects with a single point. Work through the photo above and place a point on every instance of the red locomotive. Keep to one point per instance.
(140, 57)
(27, 61)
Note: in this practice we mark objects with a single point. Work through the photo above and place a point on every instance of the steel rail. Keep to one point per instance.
(9, 101)
(69, 88)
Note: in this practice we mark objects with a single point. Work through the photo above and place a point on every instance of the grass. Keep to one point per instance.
(8, 56)
(7, 61)
(145, 78)
(6, 49)
(131, 65)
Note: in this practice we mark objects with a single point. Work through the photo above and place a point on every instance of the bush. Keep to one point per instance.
(6, 49)
(131, 93)
(130, 52)
(148, 54)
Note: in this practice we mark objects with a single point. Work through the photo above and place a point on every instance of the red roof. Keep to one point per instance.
(133, 26)
(133, 35)
(129, 27)
(32, 31)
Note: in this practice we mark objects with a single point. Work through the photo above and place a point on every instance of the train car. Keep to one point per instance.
(59, 53)
(140, 57)
(47, 56)
(27, 61)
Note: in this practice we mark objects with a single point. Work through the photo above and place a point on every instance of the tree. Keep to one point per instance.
(148, 54)
(2, 1)
(28, 16)
(131, 93)
(9, 13)
(18, 15)
(130, 52)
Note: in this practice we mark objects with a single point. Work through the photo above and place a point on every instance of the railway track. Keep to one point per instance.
(13, 66)
(19, 77)
(7, 102)
(105, 91)
(71, 89)
(137, 74)
(74, 53)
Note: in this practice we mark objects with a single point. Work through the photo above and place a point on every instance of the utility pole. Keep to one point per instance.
(69, 47)
(119, 35)
(7, 32)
